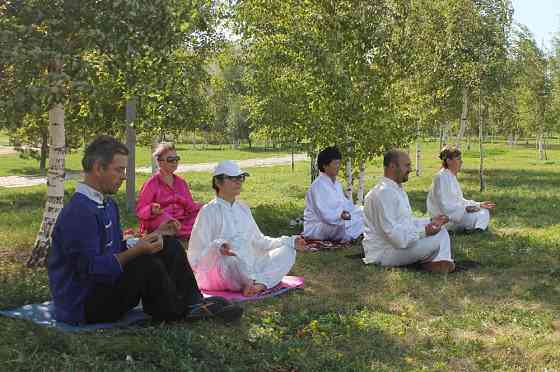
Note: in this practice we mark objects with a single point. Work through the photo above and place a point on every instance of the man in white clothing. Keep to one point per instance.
(328, 214)
(392, 235)
(446, 196)
(227, 251)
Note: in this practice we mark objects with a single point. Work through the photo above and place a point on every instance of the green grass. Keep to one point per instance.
(14, 164)
(350, 317)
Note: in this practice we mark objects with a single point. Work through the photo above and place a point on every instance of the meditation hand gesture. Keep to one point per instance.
(150, 244)
(487, 205)
(169, 228)
(156, 209)
(440, 220)
(472, 209)
(345, 215)
(226, 250)
(432, 229)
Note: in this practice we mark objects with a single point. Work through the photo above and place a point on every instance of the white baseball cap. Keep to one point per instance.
(229, 168)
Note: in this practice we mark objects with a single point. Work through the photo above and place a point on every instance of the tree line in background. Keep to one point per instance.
(364, 75)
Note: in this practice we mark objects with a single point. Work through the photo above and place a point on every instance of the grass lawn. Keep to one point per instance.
(13, 164)
(350, 317)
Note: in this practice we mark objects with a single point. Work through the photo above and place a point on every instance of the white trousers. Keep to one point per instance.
(471, 221)
(232, 273)
(429, 249)
(349, 230)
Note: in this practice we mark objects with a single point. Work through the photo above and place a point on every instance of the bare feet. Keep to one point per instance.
(253, 289)
(440, 267)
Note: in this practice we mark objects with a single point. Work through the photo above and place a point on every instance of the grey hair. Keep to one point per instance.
(163, 148)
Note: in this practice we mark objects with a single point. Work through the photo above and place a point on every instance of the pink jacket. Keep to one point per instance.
(176, 202)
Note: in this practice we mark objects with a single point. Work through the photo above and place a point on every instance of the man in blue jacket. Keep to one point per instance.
(95, 276)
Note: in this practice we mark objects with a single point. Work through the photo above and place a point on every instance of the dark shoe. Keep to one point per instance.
(215, 308)
(440, 267)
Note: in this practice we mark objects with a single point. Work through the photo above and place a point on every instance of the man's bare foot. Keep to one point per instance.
(440, 267)
(253, 289)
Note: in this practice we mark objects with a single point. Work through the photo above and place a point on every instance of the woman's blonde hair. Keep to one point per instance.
(162, 148)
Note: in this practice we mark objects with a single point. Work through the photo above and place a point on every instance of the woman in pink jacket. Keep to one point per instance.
(165, 202)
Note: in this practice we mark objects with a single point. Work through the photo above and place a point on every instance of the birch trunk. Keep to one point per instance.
(131, 144)
(313, 169)
(541, 147)
(361, 183)
(446, 133)
(417, 158)
(349, 181)
(464, 117)
(155, 143)
(55, 186)
(44, 150)
(481, 140)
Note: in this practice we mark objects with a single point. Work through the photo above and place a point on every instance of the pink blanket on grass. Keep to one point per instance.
(288, 283)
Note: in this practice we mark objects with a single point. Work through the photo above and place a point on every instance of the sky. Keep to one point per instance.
(541, 16)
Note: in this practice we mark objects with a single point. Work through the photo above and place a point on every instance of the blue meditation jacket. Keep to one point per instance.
(86, 237)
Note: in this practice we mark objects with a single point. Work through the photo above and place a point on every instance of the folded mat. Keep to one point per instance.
(43, 314)
(287, 284)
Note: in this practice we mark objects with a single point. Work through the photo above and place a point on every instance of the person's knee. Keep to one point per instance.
(148, 265)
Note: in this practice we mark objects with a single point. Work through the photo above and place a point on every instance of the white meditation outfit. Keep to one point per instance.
(446, 197)
(324, 204)
(393, 236)
(258, 258)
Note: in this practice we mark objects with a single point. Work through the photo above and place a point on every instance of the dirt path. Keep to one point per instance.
(23, 181)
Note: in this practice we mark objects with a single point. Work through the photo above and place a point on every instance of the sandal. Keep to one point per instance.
(215, 307)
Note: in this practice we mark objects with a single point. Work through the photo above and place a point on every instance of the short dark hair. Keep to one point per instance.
(102, 149)
(449, 153)
(326, 156)
(391, 156)
(215, 180)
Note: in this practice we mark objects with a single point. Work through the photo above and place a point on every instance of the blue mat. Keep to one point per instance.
(43, 314)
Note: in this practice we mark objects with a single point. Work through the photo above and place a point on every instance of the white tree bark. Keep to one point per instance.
(361, 183)
(155, 143)
(417, 159)
(445, 136)
(131, 144)
(55, 186)
(464, 117)
(541, 147)
(349, 181)
(481, 140)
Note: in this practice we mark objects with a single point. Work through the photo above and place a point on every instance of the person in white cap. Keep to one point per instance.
(446, 196)
(227, 251)
(328, 214)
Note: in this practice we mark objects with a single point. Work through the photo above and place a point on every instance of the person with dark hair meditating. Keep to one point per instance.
(96, 276)
(328, 214)
(392, 235)
(227, 250)
(446, 196)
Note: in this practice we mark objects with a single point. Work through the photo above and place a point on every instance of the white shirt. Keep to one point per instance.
(324, 204)
(446, 197)
(220, 221)
(389, 223)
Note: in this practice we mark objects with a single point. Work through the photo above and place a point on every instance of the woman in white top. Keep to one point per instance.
(446, 196)
(227, 251)
(328, 214)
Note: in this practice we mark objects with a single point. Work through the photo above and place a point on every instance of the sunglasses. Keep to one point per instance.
(240, 178)
(172, 159)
